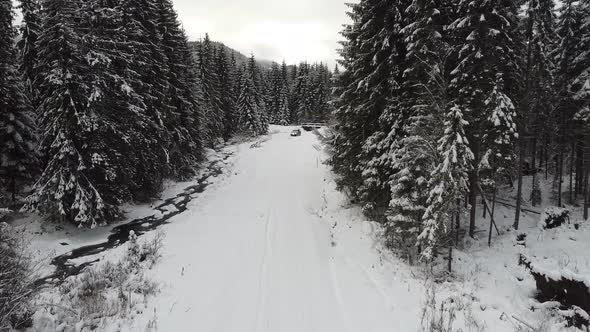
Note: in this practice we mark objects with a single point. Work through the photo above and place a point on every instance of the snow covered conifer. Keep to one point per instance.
(250, 118)
(66, 188)
(18, 145)
(182, 117)
(448, 182)
(226, 78)
(210, 85)
(486, 32)
(30, 30)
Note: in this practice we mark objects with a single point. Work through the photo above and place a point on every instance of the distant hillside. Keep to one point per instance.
(240, 58)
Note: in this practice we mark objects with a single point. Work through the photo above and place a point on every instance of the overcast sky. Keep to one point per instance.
(293, 30)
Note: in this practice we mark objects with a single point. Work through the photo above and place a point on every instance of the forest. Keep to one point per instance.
(441, 103)
(103, 100)
(154, 178)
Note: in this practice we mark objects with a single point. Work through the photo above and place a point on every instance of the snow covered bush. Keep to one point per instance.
(114, 289)
(437, 318)
(554, 217)
(16, 280)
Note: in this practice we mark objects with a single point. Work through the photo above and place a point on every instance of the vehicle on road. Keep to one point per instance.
(296, 132)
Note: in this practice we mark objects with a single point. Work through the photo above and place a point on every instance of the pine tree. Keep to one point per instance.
(30, 30)
(276, 89)
(250, 117)
(448, 182)
(183, 119)
(385, 99)
(67, 188)
(18, 154)
(487, 53)
(146, 75)
(413, 160)
(226, 77)
(210, 85)
(254, 74)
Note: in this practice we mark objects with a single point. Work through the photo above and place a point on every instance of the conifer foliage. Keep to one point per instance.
(101, 101)
(18, 156)
(439, 99)
(118, 108)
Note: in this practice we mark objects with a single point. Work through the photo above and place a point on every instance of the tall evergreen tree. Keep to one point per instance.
(213, 112)
(226, 78)
(486, 29)
(30, 29)
(66, 189)
(183, 119)
(250, 114)
(18, 154)
(448, 182)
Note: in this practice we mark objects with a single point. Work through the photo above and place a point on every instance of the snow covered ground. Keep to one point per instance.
(272, 246)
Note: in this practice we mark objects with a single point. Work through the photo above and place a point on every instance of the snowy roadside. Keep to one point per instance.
(47, 241)
(502, 293)
(272, 245)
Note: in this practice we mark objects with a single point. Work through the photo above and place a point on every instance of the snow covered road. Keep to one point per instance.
(271, 248)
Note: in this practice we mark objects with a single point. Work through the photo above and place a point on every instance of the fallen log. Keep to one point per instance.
(571, 290)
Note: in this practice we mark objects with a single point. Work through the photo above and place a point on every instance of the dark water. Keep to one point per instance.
(64, 267)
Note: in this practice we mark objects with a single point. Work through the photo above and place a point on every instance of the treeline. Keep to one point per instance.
(100, 101)
(442, 101)
(283, 94)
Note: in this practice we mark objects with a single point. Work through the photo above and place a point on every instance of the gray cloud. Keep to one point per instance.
(274, 30)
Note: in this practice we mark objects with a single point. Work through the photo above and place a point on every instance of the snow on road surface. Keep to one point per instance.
(273, 248)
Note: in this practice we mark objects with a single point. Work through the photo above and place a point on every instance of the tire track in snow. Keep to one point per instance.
(263, 275)
(336, 288)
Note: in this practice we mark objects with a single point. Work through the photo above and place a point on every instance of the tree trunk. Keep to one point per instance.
(13, 188)
(519, 191)
(451, 255)
(534, 155)
(586, 175)
(492, 216)
(560, 178)
(458, 221)
(579, 168)
(572, 173)
(546, 161)
(586, 196)
(473, 183)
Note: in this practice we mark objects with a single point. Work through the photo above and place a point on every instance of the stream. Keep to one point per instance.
(171, 207)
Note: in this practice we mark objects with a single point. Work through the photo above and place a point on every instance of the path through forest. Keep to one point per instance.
(273, 248)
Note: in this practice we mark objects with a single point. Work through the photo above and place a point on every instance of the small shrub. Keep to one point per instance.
(554, 217)
(112, 289)
(437, 318)
(16, 280)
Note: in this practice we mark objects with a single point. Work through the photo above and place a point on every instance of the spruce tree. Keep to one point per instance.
(182, 117)
(226, 76)
(210, 85)
(18, 154)
(250, 114)
(486, 56)
(276, 89)
(384, 100)
(447, 183)
(30, 29)
(67, 189)
(146, 74)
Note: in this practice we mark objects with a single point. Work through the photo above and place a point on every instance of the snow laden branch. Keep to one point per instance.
(448, 181)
